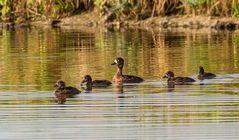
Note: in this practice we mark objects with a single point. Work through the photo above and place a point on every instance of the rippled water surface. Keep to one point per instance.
(33, 59)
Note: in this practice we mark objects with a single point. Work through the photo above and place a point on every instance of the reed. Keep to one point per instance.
(130, 9)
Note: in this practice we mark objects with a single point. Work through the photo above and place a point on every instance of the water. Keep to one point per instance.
(33, 59)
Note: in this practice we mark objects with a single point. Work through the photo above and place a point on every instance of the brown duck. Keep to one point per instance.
(88, 83)
(119, 77)
(62, 91)
(204, 75)
(177, 80)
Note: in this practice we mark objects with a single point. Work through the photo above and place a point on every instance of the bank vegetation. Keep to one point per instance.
(19, 11)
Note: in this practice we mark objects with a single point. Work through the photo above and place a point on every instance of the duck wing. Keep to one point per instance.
(183, 80)
(178, 80)
(132, 79)
(209, 75)
(188, 79)
(70, 91)
(101, 83)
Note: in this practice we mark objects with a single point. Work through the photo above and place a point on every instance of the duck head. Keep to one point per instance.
(200, 70)
(60, 84)
(87, 80)
(169, 74)
(119, 62)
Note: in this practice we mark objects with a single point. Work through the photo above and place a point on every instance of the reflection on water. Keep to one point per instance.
(33, 59)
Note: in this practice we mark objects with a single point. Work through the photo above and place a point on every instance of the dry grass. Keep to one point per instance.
(132, 8)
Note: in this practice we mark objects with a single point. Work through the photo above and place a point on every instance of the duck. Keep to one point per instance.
(119, 77)
(62, 91)
(89, 83)
(204, 75)
(177, 80)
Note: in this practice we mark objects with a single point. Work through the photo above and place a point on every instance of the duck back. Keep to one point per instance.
(209, 75)
(70, 92)
(132, 79)
(101, 83)
(183, 80)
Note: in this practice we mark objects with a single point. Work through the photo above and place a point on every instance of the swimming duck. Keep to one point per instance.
(177, 80)
(62, 91)
(204, 75)
(88, 83)
(120, 78)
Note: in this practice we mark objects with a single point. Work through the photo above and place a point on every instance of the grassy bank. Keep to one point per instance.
(22, 10)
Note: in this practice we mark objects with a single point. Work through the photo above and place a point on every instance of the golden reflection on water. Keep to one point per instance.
(33, 59)
(39, 57)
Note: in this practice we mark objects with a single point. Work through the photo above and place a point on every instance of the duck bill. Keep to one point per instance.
(114, 63)
(165, 76)
(83, 82)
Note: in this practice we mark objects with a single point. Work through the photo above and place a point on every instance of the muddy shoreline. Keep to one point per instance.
(94, 20)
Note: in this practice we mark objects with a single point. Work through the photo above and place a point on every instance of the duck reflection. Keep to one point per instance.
(170, 86)
(119, 87)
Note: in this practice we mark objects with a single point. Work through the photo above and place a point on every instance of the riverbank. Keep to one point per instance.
(93, 19)
(190, 14)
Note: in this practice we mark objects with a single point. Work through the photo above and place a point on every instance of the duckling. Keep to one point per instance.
(204, 75)
(62, 91)
(88, 83)
(120, 78)
(177, 80)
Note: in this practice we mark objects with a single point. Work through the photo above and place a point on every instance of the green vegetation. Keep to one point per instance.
(22, 10)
